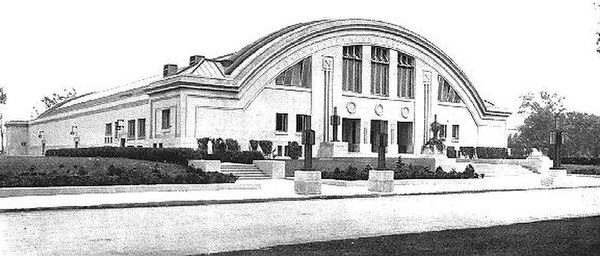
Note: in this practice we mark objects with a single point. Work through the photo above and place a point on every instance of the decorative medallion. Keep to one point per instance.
(351, 107)
(379, 109)
(404, 112)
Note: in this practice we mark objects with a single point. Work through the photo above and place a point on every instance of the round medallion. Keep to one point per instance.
(404, 112)
(379, 109)
(351, 107)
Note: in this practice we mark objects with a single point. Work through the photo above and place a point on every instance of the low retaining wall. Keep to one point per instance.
(75, 190)
(206, 165)
(272, 168)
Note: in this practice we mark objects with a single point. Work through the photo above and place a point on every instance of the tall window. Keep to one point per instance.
(446, 93)
(380, 69)
(108, 129)
(443, 131)
(406, 73)
(455, 132)
(352, 68)
(281, 122)
(141, 128)
(166, 119)
(131, 129)
(301, 121)
(298, 75)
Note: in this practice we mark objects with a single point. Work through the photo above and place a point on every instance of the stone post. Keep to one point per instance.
(381, 179)
(307, 181)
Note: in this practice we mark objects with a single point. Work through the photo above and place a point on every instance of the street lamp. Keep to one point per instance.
(556, 139)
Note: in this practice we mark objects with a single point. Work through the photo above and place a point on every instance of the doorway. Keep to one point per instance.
(376, 127)
(123, 142)
(405, 137)
(351, 133)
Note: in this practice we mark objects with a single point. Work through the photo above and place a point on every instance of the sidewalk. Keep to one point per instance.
(283, 190)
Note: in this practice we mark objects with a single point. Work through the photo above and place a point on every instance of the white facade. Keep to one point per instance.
(237, 96)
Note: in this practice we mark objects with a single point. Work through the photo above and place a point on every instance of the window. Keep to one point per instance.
(141, 128)
(301, 121)
(443, 131)
(298, 75)
(24, 144)
(380, 69)
(446, 93)
(281, 122)
(166, 119)
(108, 129)
(352, 68)
(131, 129)
(160, 145)
(455, 132)
(406, 71)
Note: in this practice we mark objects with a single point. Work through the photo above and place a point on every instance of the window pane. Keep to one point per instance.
(166, 119)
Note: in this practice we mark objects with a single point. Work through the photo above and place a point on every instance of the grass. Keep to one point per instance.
(577, 236)
(91, 171)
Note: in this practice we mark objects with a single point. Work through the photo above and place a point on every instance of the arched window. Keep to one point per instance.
(446, 93)
(298, 75)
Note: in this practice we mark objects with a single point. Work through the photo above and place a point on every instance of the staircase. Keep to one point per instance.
(243, 171)
(497, 170)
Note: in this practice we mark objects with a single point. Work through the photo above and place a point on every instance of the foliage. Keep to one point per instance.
(586, 171)
(2, 96)
(112, 176)
(266, 146)
(468, 151)
(219, 146)
(435, 145)
(544, 113)
(171, 155)
(253, 145)
(350, 173)
(580, 160)
(57, 98)
(491, 153)
(294, 150)
(451, 152)
(203, 144)
(232, 145)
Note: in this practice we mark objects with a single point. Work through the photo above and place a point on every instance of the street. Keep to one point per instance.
(226, 227)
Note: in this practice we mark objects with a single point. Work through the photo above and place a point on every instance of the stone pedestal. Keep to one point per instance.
(381, 181)
(307, 182)
(333, 149)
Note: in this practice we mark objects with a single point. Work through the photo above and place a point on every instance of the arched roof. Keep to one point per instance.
(238, 63)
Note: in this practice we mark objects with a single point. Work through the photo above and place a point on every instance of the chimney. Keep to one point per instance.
(169, 70)
(195, 59)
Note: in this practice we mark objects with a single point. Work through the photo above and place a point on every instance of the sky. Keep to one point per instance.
(507, 48)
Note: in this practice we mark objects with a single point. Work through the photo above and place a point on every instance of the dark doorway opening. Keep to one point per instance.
(351, 133)
(376, 127)
(405, 137)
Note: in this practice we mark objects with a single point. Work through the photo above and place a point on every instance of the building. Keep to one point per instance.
(374, 75)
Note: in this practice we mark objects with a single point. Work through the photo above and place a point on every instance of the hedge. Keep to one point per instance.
(491, 153)
(170, 155)
(451, 152)
(580, 160)
(113, 176)
(403, 172)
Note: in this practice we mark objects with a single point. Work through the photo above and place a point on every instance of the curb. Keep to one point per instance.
(277, 199)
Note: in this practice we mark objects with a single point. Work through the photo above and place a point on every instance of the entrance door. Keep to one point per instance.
(123, 143)
(405, 135)
(376, 126)
(351, 133)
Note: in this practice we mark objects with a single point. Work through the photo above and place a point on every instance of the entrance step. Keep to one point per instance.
(243, 171)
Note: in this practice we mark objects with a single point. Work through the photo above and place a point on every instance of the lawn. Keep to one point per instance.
(21, 171)
(578, 236)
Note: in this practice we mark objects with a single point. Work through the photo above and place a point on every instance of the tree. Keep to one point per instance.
(57, 98)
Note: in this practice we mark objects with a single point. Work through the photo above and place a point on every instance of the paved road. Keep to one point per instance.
(214, 228)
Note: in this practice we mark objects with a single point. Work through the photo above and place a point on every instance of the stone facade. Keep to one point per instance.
(237, 96)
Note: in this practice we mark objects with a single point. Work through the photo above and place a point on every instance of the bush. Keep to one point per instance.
(451, 152)
(350, 173)
(491, 153)
(580, 160)
(203, 144)
(294, 150)
(232, 145)
(219, 145)
(266, 146)
(586, 171)
(519, 153)
(113, 176)
(468, 151)
(171, 155)
(253, 145)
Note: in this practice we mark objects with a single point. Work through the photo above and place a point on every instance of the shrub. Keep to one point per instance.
(468, 151)
(519, 153)
(586, 171)
(451, 152)
(171, 155)
(491, 153)
(266, 146)
(294, 150)
(203, 144)
(114, 176)
(253, 145)
(580, 160)
(242, 157)
(350, 173)
(232, 145)
(218, 145)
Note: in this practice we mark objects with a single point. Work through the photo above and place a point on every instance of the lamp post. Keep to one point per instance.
(556, 139)
(75, 135)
